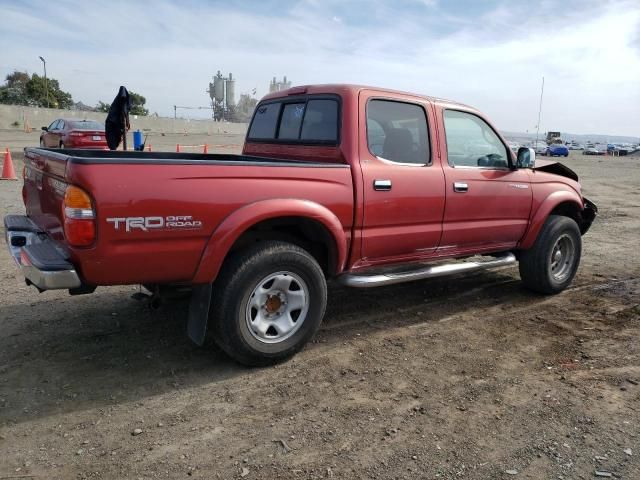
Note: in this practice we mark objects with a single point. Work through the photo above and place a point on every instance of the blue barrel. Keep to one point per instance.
(137, 140)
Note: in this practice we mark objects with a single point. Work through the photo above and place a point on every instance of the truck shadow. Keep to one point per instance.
(75, 353)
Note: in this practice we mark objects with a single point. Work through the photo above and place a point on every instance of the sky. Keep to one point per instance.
(489, 54)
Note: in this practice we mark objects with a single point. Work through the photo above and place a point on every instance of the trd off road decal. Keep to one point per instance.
(171, 222)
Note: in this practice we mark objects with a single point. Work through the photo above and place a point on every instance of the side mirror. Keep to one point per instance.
(526, 158)
(45, 129)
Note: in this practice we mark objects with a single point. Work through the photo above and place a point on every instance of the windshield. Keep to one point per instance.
(88, 125)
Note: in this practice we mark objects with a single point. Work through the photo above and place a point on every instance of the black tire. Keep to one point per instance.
(537, 265)
(235, 287)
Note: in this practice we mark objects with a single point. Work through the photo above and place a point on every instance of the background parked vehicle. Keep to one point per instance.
(557, 150)
(74, 133)
(592, 151)
(540, 148)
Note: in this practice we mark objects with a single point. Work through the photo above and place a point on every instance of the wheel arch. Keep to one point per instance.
(564, 203)
(302, 222)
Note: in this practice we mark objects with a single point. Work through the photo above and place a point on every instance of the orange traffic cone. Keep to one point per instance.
(8, 172)
(149, 148)
(206, 148)
(177, 148)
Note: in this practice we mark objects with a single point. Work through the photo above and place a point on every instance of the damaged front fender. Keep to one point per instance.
(556, 168)
(588, 215)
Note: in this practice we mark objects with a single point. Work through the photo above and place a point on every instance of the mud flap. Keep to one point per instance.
(199, 313)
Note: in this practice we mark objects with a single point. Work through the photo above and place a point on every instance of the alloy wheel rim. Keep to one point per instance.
(277, 307)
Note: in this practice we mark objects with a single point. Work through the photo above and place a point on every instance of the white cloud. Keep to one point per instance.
(590, 57)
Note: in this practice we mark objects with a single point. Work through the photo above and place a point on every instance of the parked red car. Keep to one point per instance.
(74, 133)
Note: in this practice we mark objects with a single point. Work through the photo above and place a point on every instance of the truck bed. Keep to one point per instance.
(87, 157)
(206, 188)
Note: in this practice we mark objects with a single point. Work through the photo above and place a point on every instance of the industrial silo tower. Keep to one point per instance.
(222, 92)
(218, 87)
(276, 85)
(230, 85)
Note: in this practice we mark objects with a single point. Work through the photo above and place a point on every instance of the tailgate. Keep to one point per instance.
(43, 190)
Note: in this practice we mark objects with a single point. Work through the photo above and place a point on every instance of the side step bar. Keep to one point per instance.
(362, 280)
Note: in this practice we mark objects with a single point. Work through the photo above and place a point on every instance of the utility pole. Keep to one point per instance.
(539, 112)
(46, 85)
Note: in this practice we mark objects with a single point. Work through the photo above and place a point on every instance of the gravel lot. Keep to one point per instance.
(469, 377)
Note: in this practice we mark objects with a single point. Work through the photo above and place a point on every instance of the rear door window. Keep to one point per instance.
(397, 131)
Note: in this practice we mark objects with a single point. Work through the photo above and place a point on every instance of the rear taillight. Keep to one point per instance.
(79, 217)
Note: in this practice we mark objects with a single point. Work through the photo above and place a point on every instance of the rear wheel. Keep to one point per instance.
(268, 302)
(551, 264)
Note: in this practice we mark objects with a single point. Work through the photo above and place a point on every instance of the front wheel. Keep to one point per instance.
(550, 265)
(268, 302)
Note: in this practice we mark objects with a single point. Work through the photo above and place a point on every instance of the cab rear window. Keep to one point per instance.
(265, 121)
(306, 120)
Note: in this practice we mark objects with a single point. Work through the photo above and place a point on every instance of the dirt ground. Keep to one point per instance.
(469, 377)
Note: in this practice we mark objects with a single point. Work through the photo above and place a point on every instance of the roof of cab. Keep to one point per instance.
(341, 89)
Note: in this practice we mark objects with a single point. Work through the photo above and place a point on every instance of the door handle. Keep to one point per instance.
(460, 187)
(382, 185)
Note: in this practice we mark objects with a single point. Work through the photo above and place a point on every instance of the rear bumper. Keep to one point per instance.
(41, 261)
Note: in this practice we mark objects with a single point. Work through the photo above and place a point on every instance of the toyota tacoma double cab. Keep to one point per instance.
(362, 185)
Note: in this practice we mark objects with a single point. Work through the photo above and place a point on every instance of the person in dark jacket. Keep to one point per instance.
(117, 123)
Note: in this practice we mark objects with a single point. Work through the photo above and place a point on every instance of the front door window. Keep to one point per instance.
(471, 142)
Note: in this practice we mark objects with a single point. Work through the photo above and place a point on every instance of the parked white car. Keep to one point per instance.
(540, 148)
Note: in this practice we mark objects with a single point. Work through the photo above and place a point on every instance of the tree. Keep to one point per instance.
(37, 91)
(102, 107)
(137, 105)
(22, 89)
(14, 91)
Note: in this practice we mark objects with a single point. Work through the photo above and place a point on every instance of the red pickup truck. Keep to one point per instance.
(363, 185)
